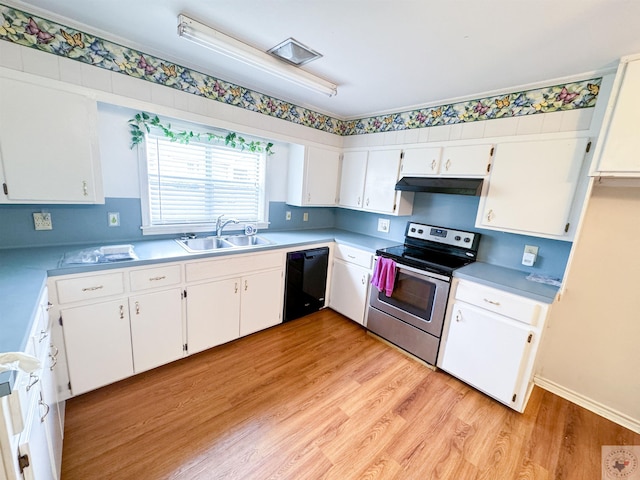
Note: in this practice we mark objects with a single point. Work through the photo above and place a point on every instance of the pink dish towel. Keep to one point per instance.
(384, 275)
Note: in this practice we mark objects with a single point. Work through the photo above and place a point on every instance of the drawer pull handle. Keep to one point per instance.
(367, 202)
(137, 308)
(54, 362)
(49, 305)
(155, 279)
(91, 289)
(85, 188)
(433, 164)
(491, 302)
(359, 199)
(34, 379)
(351, 256)
(246, 285)
(54, 351)
(458, 316)
(448, 164)
(364, 279)
(47, 408)
(121, 311)
(235, 288)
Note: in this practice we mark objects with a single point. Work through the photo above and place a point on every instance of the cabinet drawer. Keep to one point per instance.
(354, 255)
(87, 288)
(155, 277)
(232, 266)
(504, 303)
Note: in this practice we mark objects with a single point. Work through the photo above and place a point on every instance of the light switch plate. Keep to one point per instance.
(42, 221)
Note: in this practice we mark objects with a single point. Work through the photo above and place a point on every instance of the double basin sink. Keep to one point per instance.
(206, 244)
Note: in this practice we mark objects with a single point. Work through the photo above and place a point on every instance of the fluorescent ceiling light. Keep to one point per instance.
(229, 46)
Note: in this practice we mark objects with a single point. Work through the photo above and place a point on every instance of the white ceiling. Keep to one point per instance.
(385, 55)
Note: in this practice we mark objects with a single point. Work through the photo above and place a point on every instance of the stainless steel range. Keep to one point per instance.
(412, 316)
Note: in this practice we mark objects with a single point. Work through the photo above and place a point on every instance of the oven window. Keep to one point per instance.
(411, 294)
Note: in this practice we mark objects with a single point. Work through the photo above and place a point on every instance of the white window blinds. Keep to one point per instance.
(194, 183)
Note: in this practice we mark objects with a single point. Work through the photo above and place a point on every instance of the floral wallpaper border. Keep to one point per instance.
(32, 31)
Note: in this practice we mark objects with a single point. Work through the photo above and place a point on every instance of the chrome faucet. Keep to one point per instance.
(221, 224)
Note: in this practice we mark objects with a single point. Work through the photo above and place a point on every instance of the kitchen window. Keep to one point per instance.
(187, 186)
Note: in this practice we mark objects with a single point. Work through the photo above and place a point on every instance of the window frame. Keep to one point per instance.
(200, 227)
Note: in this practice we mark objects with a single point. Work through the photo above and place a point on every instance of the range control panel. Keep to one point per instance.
(431, 233)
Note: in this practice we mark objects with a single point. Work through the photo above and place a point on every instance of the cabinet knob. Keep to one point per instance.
(458, 316)
(235, 288)
(121, 311)
(364, 279)
(85, 188)
(137, 308)
(246, 285)
(490, 215)
(359, 200)
(367, 202)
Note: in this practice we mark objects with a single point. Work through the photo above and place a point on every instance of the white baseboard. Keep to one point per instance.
(591, 405)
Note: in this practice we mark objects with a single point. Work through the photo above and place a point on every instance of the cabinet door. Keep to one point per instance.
(156, 328)
(98, 343)
(487, 351)
(321, 177)
(532, 185)
(48, 145)
(349, 287)
(466, 160)
(354, 169)
(213, 314)
(52, 415)
(34, 445)
(382, 174)
(421, 161)
(261, 304)
(621, 150)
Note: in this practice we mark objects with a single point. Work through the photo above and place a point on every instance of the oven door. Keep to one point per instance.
(419, 298)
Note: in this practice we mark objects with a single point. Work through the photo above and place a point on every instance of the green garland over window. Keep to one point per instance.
(142, 122)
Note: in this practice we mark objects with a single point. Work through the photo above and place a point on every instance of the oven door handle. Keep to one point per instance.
(421, 273)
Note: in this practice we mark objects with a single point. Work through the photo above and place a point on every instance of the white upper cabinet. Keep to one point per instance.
(368, 182)
(354, 170)
(313, 176)
(48, 145)
(619, 143)
(458, 161)
(532, 187)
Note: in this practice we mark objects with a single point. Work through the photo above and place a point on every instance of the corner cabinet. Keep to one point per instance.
(490, 341)
(618, 152)
(313, 176)
(48, 145)
(368, 182)
(532, 186)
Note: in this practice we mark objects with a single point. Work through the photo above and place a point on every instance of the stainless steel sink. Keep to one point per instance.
(247, 240)
(204, 244)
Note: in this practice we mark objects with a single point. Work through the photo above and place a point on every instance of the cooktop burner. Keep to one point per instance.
(435, 249)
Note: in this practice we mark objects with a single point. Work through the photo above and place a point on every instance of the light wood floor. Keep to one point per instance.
(318, 398)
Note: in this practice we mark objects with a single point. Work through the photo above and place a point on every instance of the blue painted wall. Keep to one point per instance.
(459, 212)
(85, 224)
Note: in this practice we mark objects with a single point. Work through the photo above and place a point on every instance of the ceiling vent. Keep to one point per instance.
(294, 52)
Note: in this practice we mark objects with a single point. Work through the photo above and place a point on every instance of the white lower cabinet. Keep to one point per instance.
(98, 344)
(156, 328)
(261, 301)
(213, 312)
(350, 282)
(488, 350)
(30, 417)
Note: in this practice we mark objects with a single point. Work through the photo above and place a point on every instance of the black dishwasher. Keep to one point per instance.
(306, 282)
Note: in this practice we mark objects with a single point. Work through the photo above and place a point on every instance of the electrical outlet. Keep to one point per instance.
(114, 219)
(287, 216)
(305, 217)
(42, 221)
(383, 225)
(530, 255)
